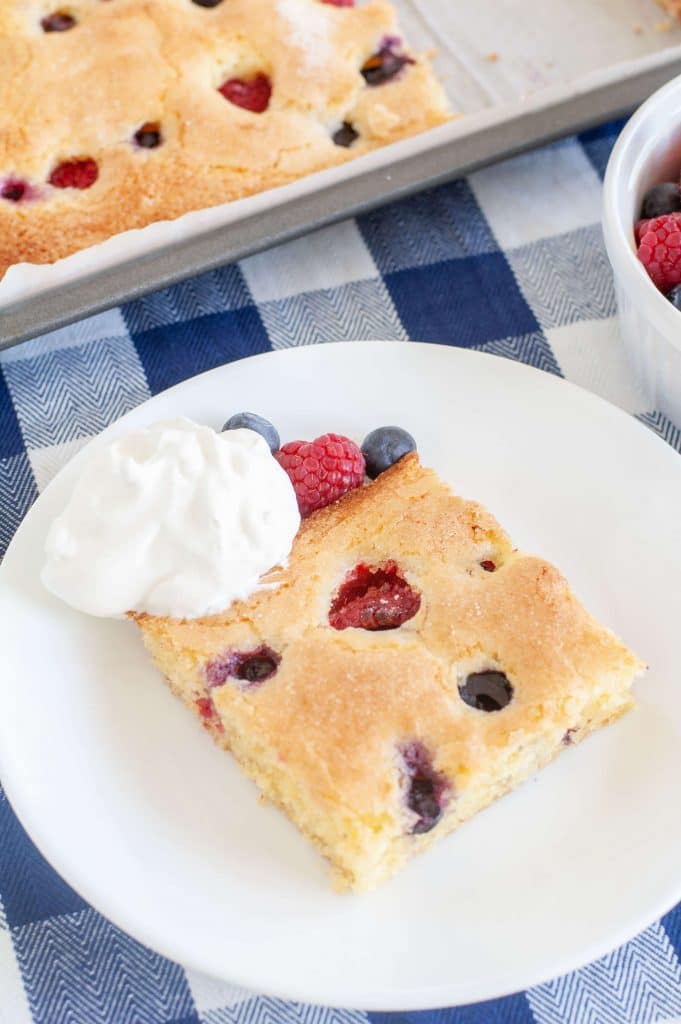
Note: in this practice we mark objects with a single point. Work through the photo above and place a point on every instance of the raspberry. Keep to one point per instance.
(374, 599)
(659, 249)
(209, 715)
(321, 471)
(253, 95)
(74, 174)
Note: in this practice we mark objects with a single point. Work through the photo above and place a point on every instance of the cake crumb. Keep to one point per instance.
(637, 29)
(492, 56)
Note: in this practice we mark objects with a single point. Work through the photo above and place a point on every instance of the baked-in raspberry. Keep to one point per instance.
(252, 94)
(209, 715)
(80, 173)
(321, 471)
(659, 249)
(249, 667)
(374, 599)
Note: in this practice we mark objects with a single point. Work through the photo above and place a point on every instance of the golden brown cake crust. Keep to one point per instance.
(323, 733)
(671, 6)
(85, 92)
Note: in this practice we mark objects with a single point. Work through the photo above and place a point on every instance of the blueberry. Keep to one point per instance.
(250, 667)
(661, 199)
(422, 800)
(386, 63)
(486, 691)
(60, 21)
(258, 666)
(427, 791)
(346, 135)
(674, 296)
(250, 421)
(384, 447)
(148, 136)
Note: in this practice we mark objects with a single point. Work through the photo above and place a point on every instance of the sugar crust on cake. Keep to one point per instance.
(83, 93)
(321, 737)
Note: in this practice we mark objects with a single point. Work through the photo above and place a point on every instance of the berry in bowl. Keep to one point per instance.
(642, 229)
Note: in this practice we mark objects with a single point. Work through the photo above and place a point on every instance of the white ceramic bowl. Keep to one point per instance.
(647, 152)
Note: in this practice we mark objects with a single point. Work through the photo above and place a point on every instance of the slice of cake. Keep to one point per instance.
(115, 115)
(671, 6)
(409, 668)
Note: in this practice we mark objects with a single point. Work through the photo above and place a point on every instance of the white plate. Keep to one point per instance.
(125, 794)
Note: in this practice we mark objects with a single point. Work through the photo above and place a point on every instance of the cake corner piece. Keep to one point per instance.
(409, 668)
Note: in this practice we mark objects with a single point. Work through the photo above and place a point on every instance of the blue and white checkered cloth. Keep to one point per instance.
(510, 261)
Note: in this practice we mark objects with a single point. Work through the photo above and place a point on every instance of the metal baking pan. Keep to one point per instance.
(567, 65)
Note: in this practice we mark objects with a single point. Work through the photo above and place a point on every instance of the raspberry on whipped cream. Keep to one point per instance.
(173, 520)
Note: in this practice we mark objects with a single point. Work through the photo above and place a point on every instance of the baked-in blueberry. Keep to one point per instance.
(427, 791)
(386, 63)
(14, 190)
(148, 136)
(385, 446)
(486, 691)
(59, 21)
(345, 135)
(250, 667)
(661, 199)
(251, 421)
(258, 666)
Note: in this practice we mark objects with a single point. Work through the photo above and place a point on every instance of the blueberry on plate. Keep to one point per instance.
(251, 421)
(661, 199)
(674, 296)
(384, 447)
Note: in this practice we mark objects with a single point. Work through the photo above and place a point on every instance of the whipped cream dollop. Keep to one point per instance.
(174, 520)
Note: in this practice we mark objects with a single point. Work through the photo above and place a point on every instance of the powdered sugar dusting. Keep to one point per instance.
(308, 29)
